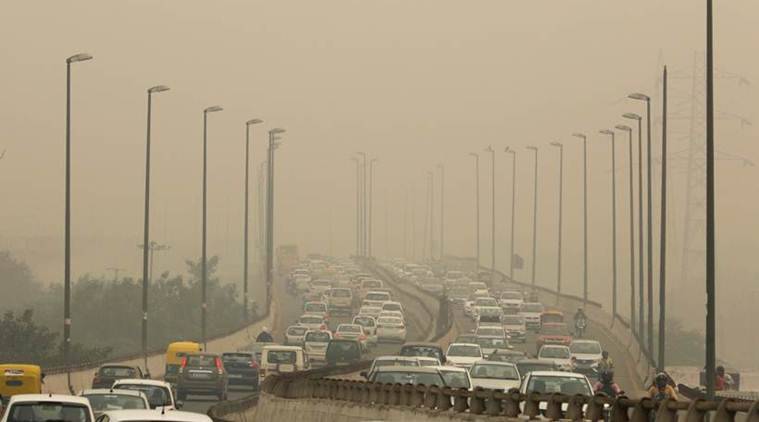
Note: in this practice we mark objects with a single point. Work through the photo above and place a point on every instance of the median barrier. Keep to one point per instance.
(309, 397)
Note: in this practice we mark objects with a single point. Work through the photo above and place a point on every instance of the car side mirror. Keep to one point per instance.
(180, 404)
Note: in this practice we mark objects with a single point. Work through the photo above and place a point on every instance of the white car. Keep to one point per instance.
(586, 354)
(316, 308)
(531, 312)
(315, 344)
(488, 315)
(352, 332)
(515, 328)
(394, 314)
(463, 354)
(560, 355)
(369, 323)
(511, 300)
(295, 335)
(391, 329)
(152, 416)
(312, 322)
(159, 393)
(495, 375)
(393, 360)
(104, 399)
(376, 298)
(370, 310)
(547, 382)
(392, 306)
(44, 407)
(455, 377)
(490, 331)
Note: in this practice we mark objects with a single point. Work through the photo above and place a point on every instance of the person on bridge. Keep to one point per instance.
(661, 389)
(723, 380)
(605, 364)
(264, 336)
(580, 315)
(607, 385)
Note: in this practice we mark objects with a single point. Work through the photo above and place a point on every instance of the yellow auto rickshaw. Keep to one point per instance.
(20, 379)
(174, 354)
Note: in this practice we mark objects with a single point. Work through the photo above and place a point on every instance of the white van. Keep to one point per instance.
(277, 359)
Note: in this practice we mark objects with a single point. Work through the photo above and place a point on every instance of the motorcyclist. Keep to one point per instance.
(606, 363)
(581, 321)
(264, 336)
(607, 385)
(661, 389)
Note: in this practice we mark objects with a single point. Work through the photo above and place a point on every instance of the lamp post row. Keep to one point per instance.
(67, 322)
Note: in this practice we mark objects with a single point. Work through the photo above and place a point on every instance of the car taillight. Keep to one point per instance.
(219, 366)
(253, 364)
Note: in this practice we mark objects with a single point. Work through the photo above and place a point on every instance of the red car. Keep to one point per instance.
(554, 333)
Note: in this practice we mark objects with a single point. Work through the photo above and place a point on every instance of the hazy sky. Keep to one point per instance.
(414, 83)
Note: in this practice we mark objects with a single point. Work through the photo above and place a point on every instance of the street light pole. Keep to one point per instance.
(203, 258)
(67, 230)
(246, 299)
(362, 249)
(663, 232)
(146, 226)
(273, 144)
(535, 216)
(649, 228)
(613, 222)
(492, 222)
(711, 325)
(358, 205)
(371, 206)
(477, 202)
(641, 289)
(442, 210)
(585, 216)
(513, 206)
(628, 129)
(561, 208)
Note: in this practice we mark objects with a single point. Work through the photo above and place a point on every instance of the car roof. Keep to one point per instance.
(494, 363)
(464, 344)
(422, 344)
(278, 347)
(396, 357)
(156, 415)
(121, 391)
(586, 341)
(557, 374)
(140, 381)
(535, 361)
(450, 368)
(553, 346)
(118, 365)
(64, 398)
(417, 369)
(378, 291)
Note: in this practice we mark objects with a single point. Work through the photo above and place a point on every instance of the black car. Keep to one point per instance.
(343, 352)
(242, 368)
(431, 350)
(106, 375)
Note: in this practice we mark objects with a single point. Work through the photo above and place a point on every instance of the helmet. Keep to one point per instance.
(661, 380)
(721, 370)
(607, 376)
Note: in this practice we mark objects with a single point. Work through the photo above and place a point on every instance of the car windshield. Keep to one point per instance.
(491, 342)
(114, 401)
(395, 362)
(554, 330)
(297, 331)
(156, 394)
(365, 321)
(318, 337)
(525, 367)
(485, 301)
(391, 307)
(281, 356)
(48, 412)
(555, 352)
(340, 293)
(310, 320)
(558, 384)
(532, 307)
(456, 379)
(512, 320)
(425, 378)
(511, 296)
(201, 361)
(429, 351)
(315, 307)
(389, 321)
(586, 347)
(118, 372)
(501, 372)
(378, 296)
(237, 357)
(342, 346)
(464, 350)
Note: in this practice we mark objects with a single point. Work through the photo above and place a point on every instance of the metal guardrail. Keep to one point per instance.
(509, 404)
